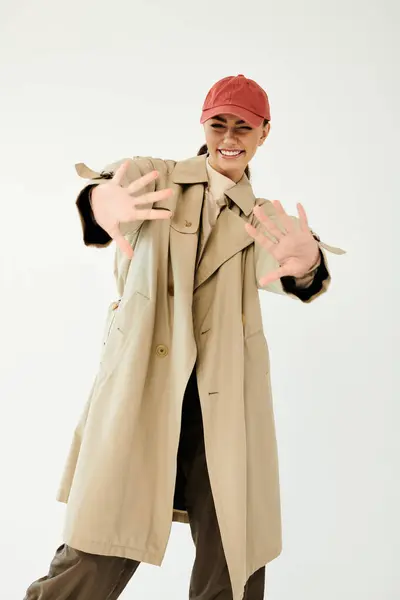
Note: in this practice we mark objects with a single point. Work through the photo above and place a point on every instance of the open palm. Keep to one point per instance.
(292, 244)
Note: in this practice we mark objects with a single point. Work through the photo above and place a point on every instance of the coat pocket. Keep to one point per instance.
(111, 313)
(257, 353)
(123, 320)
(112, 336)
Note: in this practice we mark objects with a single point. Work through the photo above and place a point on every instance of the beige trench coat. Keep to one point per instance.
(119, 478)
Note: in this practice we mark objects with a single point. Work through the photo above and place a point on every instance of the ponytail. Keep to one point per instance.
(203, 150)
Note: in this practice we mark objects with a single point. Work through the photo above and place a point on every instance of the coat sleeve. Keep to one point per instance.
(93, 234)
(265, 262)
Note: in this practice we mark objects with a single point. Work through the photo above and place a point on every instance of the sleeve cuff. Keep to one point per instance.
(305, 294)
(93, 234)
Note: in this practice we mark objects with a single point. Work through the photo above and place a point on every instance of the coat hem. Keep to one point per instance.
(264, 559)
(104, 549)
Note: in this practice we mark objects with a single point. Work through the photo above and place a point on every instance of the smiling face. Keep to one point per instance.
(232, 143)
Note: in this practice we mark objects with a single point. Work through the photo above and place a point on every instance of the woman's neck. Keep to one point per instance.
(234, 176)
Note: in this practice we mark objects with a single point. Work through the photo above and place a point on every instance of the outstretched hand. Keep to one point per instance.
(294, 247)
(113, 204)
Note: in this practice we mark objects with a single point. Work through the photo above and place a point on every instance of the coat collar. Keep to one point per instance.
(193, 170)
(228, 237)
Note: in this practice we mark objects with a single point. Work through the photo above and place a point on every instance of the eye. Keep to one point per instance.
(216, 125)
(245, 127)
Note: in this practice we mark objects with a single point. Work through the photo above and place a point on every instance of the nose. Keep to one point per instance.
(229, 135)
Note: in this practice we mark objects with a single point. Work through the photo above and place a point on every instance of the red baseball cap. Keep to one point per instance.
(238, 96)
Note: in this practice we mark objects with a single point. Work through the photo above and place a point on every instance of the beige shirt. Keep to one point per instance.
(214, 200)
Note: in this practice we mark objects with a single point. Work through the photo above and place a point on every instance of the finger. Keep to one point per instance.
(259, 237)
(273, 276)
(123, 244)
(270, 278)
(267, 223)
(152, 197)
(140, 183)
(120, 173)
(303, 217)
(155, 214)
(286, 220)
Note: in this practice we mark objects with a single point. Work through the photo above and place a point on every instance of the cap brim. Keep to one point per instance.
(238, 111)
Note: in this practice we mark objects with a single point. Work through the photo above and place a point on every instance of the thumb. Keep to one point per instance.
(123, 244)
(273, 276)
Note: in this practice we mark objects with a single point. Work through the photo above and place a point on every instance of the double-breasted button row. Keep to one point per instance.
(162, 350)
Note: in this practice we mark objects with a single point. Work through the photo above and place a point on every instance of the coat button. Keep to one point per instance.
(188, 224)
(162, 351)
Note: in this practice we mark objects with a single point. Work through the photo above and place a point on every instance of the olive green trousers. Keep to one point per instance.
(76, 575)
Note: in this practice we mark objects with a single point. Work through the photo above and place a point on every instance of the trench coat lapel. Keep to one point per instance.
(228, 236)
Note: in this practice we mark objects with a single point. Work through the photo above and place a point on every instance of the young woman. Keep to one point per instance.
(179, 423)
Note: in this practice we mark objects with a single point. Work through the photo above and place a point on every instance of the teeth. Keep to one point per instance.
(230, 153)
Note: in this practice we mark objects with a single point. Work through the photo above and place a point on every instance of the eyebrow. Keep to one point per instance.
(225, 121)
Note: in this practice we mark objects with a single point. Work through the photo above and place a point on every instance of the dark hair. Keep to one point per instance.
(204, 150)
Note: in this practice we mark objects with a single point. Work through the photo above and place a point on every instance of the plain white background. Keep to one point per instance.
(97, 81)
